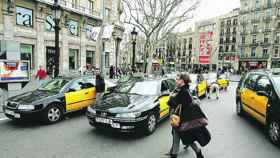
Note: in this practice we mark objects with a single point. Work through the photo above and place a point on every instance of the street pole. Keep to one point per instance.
(56, 28)
(133, 56)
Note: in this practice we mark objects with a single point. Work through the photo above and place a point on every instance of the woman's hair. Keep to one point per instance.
(185, 77)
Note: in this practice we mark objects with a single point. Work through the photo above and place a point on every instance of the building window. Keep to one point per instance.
(228, 22)
(49, 23)
(266, 38)
(269, 3)
(107, 14)
(221, 49)
(233, 39)
(276, 52)
(73, 59)
(24, 17)
(243, 40)
(278, 12)
(91, 5)
(3, 53)
(26, 53)
(254, 39)
(255, 28)
(265, 50)
(235, 22)
(73, 27)
(277, 38)
(221, 40)
(90, 60)
(268, 13)
(74, 3)
(253, 52)
(107, 59)
(242, 51)
(227, 48)
(233, 48)
(234, 30)
(257, 4)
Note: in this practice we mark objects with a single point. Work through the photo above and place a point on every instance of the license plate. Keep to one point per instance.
(116, 125)
(103, 120)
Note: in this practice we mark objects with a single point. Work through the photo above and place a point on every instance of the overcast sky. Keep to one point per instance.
(212, 8)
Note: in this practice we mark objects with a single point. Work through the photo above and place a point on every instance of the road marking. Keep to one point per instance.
(5, 118)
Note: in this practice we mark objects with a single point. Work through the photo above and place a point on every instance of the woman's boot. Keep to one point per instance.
(173, 155)
(199, 154)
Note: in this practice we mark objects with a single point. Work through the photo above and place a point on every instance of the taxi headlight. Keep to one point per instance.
(26, 107)
(129, 115)
(91, 110)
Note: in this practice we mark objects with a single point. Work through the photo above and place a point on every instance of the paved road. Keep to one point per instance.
(233, 137)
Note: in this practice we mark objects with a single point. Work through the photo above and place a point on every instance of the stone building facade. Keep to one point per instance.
(30, 23)
(259, 29)
(229, 40)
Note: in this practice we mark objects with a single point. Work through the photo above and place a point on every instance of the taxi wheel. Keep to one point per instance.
(273, 130)
(53, 114)
(150, 125)
(239, 109)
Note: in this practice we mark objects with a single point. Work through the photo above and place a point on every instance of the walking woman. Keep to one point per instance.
(181, 96)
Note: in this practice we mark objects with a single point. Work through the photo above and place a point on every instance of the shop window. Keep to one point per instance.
(73, 59)
(26, 53)
(24, 16)
(90, 59)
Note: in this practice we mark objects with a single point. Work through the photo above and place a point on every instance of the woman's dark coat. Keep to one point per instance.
(201, 135)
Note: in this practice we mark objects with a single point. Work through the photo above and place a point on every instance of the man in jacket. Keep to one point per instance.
(99, 84)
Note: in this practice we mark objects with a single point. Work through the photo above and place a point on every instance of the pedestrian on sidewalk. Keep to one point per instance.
(99, 84)
(181, 97)
(41, 75)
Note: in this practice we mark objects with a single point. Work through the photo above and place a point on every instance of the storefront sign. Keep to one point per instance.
(50, 23)
(205, 47)
(24, 16)
(14, 71)
(92, 32)
(73, 27)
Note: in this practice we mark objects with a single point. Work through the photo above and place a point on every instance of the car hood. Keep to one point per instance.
(121, 103)
(31, 97)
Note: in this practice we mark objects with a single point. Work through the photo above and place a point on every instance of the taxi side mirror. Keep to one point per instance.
(262, 93)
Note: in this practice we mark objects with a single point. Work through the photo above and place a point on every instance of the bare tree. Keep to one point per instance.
(156, 19)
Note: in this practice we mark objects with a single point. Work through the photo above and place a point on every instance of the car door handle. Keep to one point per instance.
(86, 93)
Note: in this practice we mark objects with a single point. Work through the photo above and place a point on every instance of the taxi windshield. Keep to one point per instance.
(144, 88)
(54, 85)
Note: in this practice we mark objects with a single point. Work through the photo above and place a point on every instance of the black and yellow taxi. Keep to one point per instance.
(134, 106)
(258, 95)
(198, 85)
(52, 100)
(221, 80)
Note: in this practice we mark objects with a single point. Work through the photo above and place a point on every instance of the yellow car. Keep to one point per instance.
(52, 100)
(198, 86)
(222, 81)
(258, 95)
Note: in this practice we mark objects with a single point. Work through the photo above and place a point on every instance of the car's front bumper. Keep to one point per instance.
(16, 114)
(117, 124)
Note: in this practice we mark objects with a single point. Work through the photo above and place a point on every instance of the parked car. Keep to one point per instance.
(198, 86)
(258, 96)
(52, 100)
(133, 106)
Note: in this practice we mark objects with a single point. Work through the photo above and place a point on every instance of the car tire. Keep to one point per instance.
(273, 130)
(53, 114)
(239, 109)
(150, 124)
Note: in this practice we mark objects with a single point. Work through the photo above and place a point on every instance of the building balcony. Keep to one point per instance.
(264, 44)
(243, 23)
(244, 44)
(267, 30)
(244, 11)
(255, 20)
(253, 44)
(246, 56)
(267, 18)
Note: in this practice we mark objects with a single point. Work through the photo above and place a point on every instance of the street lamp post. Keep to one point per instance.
(57, 14)
(133, 35)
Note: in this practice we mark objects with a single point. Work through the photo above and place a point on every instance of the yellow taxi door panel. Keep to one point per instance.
(246, 97)
(89, 96)
(201, 88)
(261, 107)
(74, 100)
(164, 108)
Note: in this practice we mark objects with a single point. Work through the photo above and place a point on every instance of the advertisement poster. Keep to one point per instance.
(14, 71)
(205, 47)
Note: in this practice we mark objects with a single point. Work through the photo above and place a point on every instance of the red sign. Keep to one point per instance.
(205, 47)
